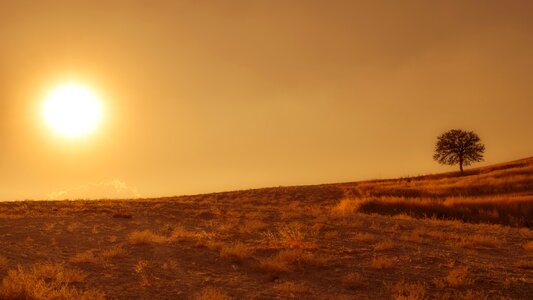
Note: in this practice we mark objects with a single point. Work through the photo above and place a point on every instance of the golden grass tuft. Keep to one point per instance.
(384, 245)
(345, 207)
(180, 233)
(85, 257)
(146, 237)
(527, 246)
(211, 293)
(402, 216)
(45, 281)
(458, 276)
(236, 252)
(292, 236)
(286, 260)
(408, 291)
(117, 251)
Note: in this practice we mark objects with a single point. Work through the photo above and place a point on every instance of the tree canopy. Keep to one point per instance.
(457, 146)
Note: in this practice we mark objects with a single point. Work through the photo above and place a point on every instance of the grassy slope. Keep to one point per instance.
(327, 241)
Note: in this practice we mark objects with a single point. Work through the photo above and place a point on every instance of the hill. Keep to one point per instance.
(439, 236)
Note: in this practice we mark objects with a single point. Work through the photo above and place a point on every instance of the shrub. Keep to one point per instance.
(45, 281)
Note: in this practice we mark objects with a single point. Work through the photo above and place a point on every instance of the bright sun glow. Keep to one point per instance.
(72, 110)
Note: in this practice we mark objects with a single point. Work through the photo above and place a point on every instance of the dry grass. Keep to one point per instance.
(117, 251)
(179, 233)
(302, 242)
(382, 262)
(236, 252)
(458, 276)
(287, 260)
(475, 295)
(45, 281)
(414, 236)
(3, 262)
(291, 289)
(291, 236)
(509, 210)
(345, 207)
(476, 240)
(73, 227)
(352, 280)
(402, 216)
(363, 237)
(384, 245)
(88, 256)
(527, 246)
(408, 291)
(252, 226)
(211, 293)
(146, 237)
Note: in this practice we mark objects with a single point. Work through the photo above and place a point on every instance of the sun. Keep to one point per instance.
(72, 110)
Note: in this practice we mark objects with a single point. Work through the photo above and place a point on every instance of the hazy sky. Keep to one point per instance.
(203, 96)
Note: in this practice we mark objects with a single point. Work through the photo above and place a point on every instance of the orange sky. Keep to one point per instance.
(205, 96)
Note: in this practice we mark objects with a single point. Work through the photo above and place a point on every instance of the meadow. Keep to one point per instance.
(439, 236)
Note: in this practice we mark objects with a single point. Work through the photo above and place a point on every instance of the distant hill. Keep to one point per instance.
(500, 193)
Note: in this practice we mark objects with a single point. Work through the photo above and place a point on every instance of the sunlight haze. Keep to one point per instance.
(206, 96)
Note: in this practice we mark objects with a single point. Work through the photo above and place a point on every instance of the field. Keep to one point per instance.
(431, 237)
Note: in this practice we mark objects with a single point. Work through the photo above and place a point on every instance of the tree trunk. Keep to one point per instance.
(461, 167)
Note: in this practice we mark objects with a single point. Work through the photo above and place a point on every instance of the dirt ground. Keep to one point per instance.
(207, 247)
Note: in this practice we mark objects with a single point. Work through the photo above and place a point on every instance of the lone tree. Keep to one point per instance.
(458, 147)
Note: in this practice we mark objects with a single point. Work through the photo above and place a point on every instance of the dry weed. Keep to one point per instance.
(475, 295)
(3, 262)
(402, 216)
(179, 233)
(285, 260)
(236, 252)
(477, 240)
(331, 235)
(524, 264)
(408, 291)
(211, 293)
(292, 236)
(291, 289)
(458, 276)
(117, 251)
(170, 264)
(85, 257)
(45, 281)
(252, 226)
(384, 245)
(528, 246)
(414, 236)
(146, 237)
(345, 207)
(112, 239)
(73, 227)
(141, 266)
